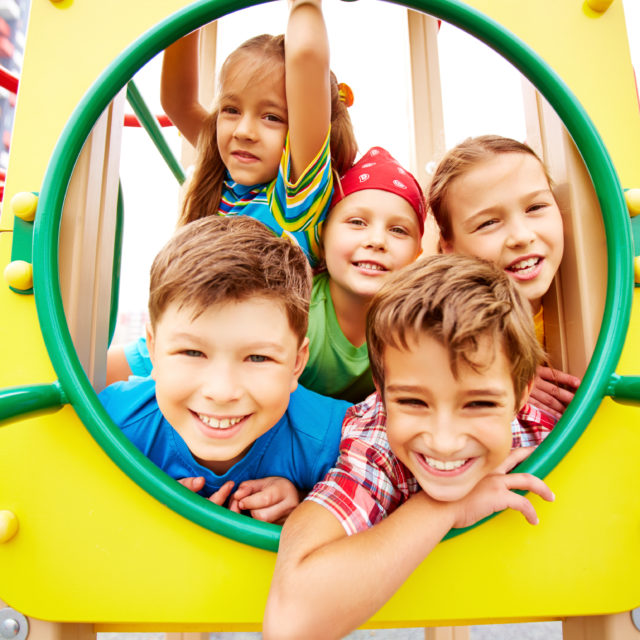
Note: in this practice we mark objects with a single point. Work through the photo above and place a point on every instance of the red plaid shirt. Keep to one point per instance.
(369, 482)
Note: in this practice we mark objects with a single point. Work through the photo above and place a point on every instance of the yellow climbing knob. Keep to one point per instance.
(8, 525)
(599, 5)
(19, 275)
(632, 196)
(636, 269)
(24, 205)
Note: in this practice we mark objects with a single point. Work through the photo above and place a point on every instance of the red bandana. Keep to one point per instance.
(377, 169)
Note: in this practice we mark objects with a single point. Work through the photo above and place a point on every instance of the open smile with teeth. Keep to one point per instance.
(372, 266)
(524, 266)
(444, 465)
(224, 423)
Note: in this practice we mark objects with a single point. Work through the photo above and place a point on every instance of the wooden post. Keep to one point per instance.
(613, 627)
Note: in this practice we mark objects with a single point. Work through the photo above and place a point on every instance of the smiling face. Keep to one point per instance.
(252, 123)
(449, 431)
(223, 379)
(368, 235)
(503, 210)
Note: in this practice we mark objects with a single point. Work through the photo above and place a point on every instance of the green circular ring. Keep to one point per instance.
(47, 228)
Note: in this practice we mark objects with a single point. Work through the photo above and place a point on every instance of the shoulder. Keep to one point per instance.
(131, 399)
(309, 411)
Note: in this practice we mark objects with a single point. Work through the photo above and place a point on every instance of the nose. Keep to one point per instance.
(245, 127)
(520, 233)
(376, 237)
(220, 383)
(444, 438)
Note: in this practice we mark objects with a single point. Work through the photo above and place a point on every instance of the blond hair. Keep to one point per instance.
(455, 299)
(221, 259)
(457, 161)
(261, 55)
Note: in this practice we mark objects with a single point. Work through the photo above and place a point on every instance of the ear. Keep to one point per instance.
(525, 395)
(150, 345)
(302, 357)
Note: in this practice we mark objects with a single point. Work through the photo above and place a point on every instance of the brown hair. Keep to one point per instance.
(456, 299)
(458, 161)
(220, 259)
(258, 54)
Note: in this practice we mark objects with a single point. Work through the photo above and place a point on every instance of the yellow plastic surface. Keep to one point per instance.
(92, 546)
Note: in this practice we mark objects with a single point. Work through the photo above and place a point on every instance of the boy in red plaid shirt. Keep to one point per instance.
(453, 355)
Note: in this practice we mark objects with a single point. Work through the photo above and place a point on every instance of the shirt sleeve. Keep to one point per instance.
(138, 358)
(368, 481)
(303, 205)
(531, 427)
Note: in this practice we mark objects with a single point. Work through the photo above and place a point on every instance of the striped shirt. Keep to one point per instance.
(369, 482)
(295, 211)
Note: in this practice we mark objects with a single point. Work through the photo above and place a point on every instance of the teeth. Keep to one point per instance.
(225, 423)
(524, 264)
(442, 465)
(370, 265)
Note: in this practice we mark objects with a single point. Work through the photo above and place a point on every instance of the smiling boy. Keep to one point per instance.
(453, 354)
(228, 309)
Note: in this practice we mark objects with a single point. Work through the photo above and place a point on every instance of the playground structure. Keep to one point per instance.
(93, 542)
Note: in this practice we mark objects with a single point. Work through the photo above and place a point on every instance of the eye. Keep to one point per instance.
(538, 206)
(411, 402)
(272, 117)
(254, 357)
(481, 404)
(356, 222)
(401, 231)
(228, 109)
(485, 224)
(192, 353)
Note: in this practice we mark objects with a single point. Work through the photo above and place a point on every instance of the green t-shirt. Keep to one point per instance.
(336, 368)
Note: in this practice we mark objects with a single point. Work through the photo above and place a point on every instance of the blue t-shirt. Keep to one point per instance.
(302, 446)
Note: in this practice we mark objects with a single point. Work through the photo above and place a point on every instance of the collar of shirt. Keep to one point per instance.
(239, 190)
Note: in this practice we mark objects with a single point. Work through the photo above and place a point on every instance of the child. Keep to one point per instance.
(453, 353)
(374, 228)
(491, 197)
(228, 307)
(264, 149)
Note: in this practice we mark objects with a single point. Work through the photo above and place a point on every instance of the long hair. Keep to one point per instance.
(257, 54)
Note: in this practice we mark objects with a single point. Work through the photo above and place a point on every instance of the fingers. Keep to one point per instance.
(529, 482)
(558, 377)
(515, 458)
(248, 487)
(221, 495)
(194, 484)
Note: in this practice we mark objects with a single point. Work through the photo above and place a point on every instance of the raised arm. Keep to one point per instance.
(179, 87)
(307, 82)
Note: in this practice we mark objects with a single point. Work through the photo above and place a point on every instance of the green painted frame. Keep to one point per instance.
(47, 226)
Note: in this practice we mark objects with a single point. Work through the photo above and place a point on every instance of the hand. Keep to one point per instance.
(267, 499)
(219, 497)
(553, 390)
(495, 493)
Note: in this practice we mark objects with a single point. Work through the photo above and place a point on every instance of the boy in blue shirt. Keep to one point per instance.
(228, 307)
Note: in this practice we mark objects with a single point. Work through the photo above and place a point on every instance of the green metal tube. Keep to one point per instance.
(15, 401)
(151, 126)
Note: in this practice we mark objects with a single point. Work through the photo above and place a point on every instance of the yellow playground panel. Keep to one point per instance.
(83, 540)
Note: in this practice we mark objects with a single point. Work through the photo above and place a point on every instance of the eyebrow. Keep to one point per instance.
(266, 103)
(409, 388)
